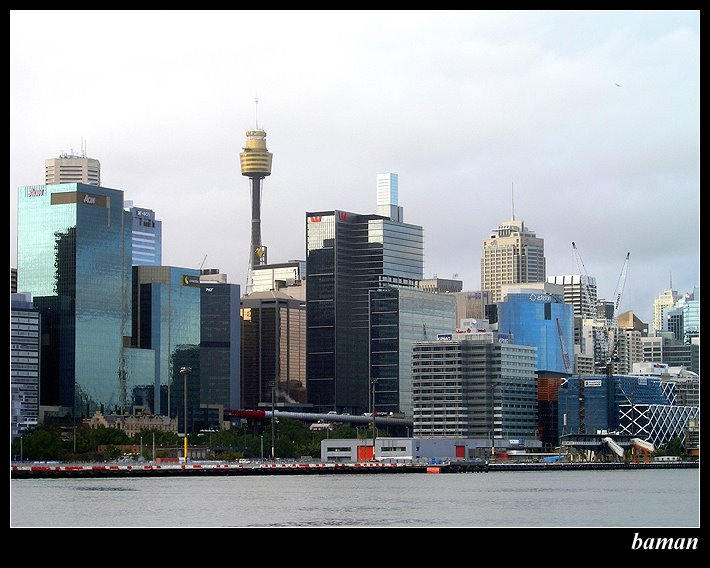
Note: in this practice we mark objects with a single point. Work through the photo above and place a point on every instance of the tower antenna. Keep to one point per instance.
(256, 112)
(512, 198)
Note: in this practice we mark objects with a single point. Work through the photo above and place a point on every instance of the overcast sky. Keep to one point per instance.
(591, 120)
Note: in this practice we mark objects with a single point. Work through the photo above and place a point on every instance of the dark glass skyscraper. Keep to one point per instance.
(347, 255)
(220, 343)
(74, 257)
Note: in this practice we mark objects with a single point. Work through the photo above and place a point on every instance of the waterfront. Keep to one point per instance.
(605, 499)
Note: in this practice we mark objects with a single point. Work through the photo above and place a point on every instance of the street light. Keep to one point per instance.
(374, 413)
(184, 372)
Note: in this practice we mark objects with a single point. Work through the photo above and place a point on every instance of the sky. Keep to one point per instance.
(583, 124)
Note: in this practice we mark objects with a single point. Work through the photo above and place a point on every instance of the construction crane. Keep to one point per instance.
(565, 355)
(587, 310)
(607, 356)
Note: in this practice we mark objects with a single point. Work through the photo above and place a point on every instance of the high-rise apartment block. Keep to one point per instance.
(71, 168)
(512, 255)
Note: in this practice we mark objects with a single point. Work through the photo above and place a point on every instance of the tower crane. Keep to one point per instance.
(607, 356)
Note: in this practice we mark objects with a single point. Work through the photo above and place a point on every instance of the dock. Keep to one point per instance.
(51, 471)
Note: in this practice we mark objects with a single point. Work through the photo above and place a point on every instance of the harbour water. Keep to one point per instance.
(564, 499)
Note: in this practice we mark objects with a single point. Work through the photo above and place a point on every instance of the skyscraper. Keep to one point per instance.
(273, 349)
(388, 197)
(398, 318)
(166, 320)
(71, 168)
(146, 236)
(347, 255)
(512, 255)
(664, 301)
(74, 257)
(255, 162)
(220, 351)
(25, 334)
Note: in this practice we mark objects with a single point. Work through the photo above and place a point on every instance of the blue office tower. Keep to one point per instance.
(166, 319)
(74, 257)
(544, 321)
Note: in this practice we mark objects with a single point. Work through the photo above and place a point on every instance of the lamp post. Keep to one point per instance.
(374, 413)
(184, 372)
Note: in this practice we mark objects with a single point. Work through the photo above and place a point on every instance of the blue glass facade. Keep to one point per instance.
(146, 237)
(691, 317)
(74, 257)
(587, 404)
(544, 321)
(166, 319)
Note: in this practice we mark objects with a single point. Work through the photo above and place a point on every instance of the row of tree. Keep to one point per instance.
(292, 439)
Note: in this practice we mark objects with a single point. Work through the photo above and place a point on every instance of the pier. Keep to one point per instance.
(51, 471)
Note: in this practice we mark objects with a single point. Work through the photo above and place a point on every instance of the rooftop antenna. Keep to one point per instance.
(512, 198)
(670, 275)
(256, 112)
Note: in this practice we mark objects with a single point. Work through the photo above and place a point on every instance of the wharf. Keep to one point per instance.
(317, 468)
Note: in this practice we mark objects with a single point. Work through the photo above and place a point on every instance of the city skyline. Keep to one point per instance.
(585, 125)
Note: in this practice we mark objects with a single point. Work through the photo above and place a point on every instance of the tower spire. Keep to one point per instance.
(256, 112)
(512, 198)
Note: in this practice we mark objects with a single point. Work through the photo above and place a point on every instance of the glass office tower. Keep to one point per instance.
(146, 237)
(398, 318)
(74, 257)
(542, 320)
(348, 255)
(220, 344)
(166, 319)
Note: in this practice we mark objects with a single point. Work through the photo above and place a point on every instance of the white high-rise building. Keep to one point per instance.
(388, 197)
(512, 255)
(70, 168)
(573, 285)
(665, 301)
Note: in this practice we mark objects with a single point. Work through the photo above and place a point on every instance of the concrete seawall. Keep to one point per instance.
(317, 468)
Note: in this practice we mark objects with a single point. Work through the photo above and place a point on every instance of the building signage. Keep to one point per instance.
(643, 381)
(144, 213)
(35, 192)
(316, 218)
(444, 337)
(190, 280)
(540, 298)
(503, 338)
(89, 199)
(342, 216)
(593, 383)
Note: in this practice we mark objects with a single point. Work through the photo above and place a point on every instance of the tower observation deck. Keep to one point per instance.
(255, 161)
